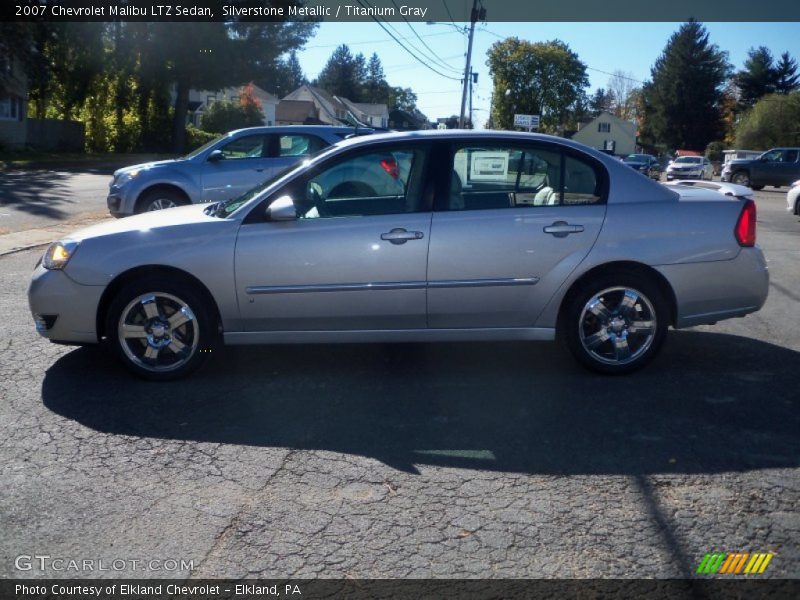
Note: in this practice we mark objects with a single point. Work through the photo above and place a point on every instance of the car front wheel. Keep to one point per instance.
(159, 200)
(617, 323)
(741, 178)
(160, 328)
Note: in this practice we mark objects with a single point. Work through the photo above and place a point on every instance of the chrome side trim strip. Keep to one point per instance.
(335, 287)
(392, 285)
(467, 283)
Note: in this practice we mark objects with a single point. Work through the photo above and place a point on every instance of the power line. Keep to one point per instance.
(399, 43)
(424, 43)
(376, 41)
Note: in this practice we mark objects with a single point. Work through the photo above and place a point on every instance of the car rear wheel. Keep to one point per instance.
(617, 323)
(159, 199)
(161, 328)
(741, 178)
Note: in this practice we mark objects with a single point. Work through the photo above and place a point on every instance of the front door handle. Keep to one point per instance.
(401, 236)
(562, 229)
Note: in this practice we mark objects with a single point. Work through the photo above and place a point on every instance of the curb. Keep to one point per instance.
(19, 241)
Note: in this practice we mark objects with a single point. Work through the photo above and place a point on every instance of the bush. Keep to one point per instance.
(714, 151)
(223, 116)
(197, 137)
(771, 122)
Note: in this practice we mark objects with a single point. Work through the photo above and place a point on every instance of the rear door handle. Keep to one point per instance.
(401, 236)
(562, 229)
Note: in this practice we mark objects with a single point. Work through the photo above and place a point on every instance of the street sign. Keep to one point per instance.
(527, 121)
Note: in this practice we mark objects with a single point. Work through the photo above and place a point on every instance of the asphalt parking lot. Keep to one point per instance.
(450, 460)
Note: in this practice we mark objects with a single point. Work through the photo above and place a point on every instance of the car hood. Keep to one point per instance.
(148, 165)
(182, 215)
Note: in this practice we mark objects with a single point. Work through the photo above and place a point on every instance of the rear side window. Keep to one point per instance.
(497, 176)
(288, 145)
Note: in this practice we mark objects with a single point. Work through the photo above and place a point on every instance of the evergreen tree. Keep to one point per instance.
(682, 101)
(343, 74)
(375, 87)
(787, 79)
(758, 77)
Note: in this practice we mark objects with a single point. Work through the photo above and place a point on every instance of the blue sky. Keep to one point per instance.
(603, 47)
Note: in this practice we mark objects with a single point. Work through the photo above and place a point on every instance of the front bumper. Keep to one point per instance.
(683, 175)
(63, 311)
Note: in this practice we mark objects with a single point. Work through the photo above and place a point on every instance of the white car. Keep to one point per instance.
(690, 167)
(793, 198)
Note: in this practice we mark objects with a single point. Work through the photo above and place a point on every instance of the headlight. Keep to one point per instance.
(127, 176)
(57, 255)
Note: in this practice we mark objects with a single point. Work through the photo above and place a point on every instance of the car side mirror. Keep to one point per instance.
(215, 155)
(282, 209)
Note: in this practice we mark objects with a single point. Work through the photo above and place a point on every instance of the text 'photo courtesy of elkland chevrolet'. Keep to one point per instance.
(424, 236)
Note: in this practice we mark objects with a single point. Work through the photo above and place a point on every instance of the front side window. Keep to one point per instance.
(490, 177)
(774, 156)
(249, 146)
(380, 182)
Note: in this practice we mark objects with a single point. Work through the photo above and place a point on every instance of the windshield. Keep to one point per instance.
(689, 159)
(204, 147)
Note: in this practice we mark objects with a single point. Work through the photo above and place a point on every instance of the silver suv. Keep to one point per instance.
(220, 170)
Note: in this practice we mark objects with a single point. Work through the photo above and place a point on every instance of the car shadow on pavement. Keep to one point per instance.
(38, 193)
(710, 403)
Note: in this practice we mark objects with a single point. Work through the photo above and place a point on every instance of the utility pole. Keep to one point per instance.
(473, 78)
(474, 16)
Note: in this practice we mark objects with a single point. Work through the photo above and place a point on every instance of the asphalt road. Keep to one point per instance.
(450, 460)
(42, 197)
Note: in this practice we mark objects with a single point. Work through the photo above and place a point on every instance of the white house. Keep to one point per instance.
(610, 133)
(201, 100)
(338, 110)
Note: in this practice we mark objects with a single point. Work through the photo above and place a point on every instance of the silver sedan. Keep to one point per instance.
(474, 236)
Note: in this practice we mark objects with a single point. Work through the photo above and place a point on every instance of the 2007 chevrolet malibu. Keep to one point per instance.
(434, 236)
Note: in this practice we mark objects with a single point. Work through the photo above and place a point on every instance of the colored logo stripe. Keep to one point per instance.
(734, 563)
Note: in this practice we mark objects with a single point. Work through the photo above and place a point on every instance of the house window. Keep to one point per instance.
(10, 108)
(604, 127)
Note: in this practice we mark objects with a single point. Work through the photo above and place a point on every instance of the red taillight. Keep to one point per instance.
(745, 231)
(390, 166)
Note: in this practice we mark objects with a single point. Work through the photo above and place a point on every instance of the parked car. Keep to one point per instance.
(793, 198)
(646, 164)
(222, 169)
(690, 167)
(488, 236)
(777, 167)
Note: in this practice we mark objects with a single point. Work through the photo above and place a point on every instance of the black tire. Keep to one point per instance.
(741, 178)
(179, 350)
(581, 327)
(756, 188)
(159, 199)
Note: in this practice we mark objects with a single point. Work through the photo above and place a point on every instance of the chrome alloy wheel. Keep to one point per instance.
(161, 204)
(158, 332)
(617, 325)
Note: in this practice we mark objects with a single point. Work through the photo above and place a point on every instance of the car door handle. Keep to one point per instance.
(401, 236)
(562, 229)
(260, 170)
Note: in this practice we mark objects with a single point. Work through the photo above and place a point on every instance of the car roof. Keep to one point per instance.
(459, 134)
(295, 129)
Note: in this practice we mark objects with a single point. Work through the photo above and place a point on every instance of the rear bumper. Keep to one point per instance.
(63, 311)
(713, 291)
